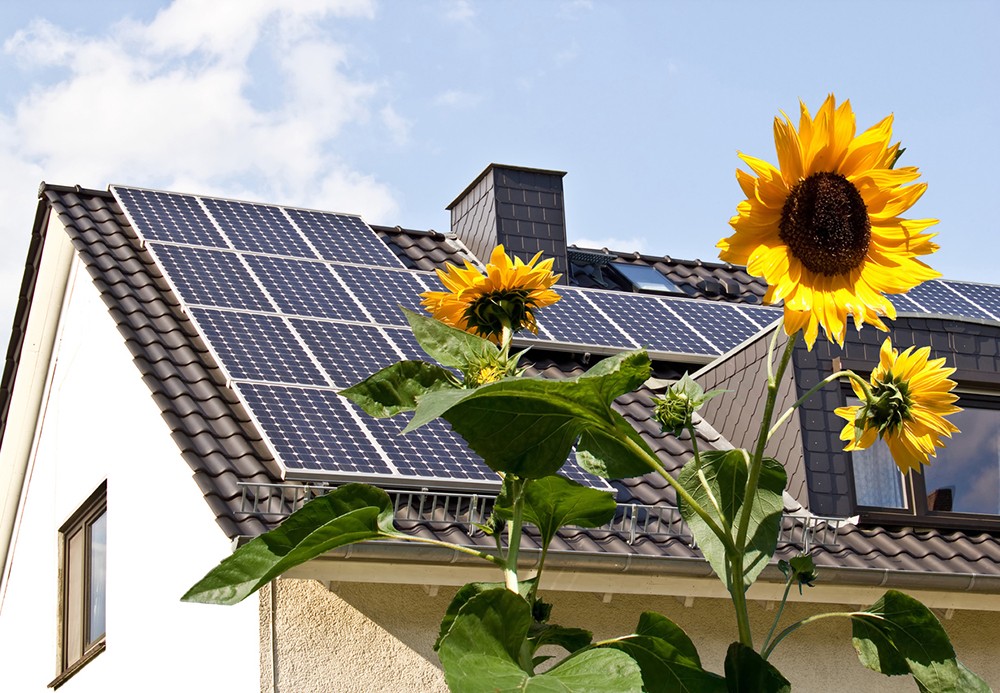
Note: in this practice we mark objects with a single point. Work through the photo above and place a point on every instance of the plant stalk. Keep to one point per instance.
(514, 527)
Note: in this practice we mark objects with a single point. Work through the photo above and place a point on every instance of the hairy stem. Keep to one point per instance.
(514, 527)
(701, 473)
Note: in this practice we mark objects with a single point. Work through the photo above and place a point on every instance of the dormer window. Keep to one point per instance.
(645, 278)
(963, 481)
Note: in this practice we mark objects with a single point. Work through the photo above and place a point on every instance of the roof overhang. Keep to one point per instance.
(391, 562)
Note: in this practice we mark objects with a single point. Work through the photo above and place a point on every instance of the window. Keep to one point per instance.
(962, 481)
(83, 546)
(646, 278)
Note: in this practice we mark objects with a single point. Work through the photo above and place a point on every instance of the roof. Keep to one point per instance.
(224, 449)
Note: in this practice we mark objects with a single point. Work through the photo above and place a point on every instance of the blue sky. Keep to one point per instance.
(390, 108)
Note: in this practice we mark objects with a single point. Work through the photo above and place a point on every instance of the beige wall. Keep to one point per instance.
(373, 637)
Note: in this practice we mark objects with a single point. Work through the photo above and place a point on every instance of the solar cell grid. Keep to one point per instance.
(257, 347)
(311, 430)
(764, 317)
(172, 217)
(984, 295)
(343, 238)
(938, 298)
(433, 450)
(258, 228)
(210, 277)
(723, 325)
(349, 353)
(650, 323)
(382, 292)
(301, 287)
(575, 321)
(905, 304)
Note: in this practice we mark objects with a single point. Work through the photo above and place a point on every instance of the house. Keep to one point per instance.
(170, 391)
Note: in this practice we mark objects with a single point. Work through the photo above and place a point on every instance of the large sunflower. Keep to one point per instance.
(910, 396)
(824, 231)
(506, 295)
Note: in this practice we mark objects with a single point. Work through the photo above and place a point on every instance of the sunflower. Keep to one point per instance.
(505, 296)
(824, 231)
(910, 396)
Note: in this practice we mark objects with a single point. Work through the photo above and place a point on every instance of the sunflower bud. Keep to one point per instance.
(674, 410)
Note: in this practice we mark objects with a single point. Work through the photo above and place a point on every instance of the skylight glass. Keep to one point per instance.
(645, 278)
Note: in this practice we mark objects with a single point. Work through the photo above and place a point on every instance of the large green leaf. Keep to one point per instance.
(602, 452)
(349, 514)
(527, 426)
(395, 389)
(667, 657)
(447, 345)
(748, 672)
(467, 592)
(555, 501)
(902, 636)
(482, 648)
(726, 475)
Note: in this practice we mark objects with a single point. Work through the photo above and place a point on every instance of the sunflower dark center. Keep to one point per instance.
(825, 224)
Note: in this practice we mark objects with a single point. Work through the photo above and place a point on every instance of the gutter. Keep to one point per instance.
(612, 573)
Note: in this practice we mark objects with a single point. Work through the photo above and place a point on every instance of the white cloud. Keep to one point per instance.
(458, 98)
(460, 11)
(166, 104)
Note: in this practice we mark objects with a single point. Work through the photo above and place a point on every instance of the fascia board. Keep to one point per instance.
(32, 375)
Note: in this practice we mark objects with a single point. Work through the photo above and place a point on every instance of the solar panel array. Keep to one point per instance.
(297, 304)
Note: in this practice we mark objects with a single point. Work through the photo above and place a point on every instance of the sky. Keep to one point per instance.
(390, 108)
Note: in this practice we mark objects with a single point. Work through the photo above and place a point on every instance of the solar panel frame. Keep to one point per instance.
(208, 277)
(382, 292)
(986, 296)
(349, 353)
(257, 347)
(259, 228)
(938, 298)
(343, 238)
(175, 218)
(566, 321)
(306, 287)
(660, 330)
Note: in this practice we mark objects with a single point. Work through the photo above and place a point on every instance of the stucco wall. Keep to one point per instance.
(369, 637)
(101, 423)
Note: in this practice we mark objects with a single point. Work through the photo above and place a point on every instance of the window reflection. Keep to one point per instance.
(965, 476)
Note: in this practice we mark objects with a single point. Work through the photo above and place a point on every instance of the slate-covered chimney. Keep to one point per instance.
(519, 207)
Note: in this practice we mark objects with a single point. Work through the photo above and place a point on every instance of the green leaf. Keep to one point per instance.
(467, 592)
(395, 389)
(667, 657)
(448, 345)
(726, 475)
(479, 654)
(659, 626)
(555, 501)
(570, 639)
(349, 514)
(748, 672)
(528, 426)
(602, 452)
(900, 635)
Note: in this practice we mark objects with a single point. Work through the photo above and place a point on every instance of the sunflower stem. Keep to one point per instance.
(514, 526)
(701, 473)
(766, 652)
(738, 588)
(816, 388)
(781, 609)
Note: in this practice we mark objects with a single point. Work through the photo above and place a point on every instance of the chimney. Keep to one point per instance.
(519, 207)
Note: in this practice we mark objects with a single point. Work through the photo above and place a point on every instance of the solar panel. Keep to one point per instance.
(573, 320)
(313, 431)
(904, 303)
(301, 287)
(343, 238)
(349, 353)
(258, 228)
(382, 292)
(210, 277)
(985, 296)
(651, 323)
(257, 347)
(936, 297)
(431, 451)
(160, 216)
(722, 325)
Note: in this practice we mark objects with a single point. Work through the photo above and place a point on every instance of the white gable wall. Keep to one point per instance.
(99, 422)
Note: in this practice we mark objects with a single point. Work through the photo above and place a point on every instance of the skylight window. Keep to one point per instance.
(646, 278)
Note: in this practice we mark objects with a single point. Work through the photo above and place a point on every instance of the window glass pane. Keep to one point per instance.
(877, 481)
(965, 475)
(98, 576)
(73, 616)
(645, 278)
